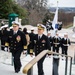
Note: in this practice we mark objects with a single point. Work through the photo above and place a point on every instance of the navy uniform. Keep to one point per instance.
(56, 43)
(50, 38)
(17, 43)
(40, 43)
(65, 42)
(31, 35)
(3, 35)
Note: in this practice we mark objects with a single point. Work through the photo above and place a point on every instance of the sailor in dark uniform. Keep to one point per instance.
(3, 35)
(17, 43)
(56, 43)
(40, 42)
(65, 43)
(50, 38)
(31, 35)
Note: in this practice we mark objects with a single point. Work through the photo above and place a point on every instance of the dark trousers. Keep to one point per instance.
(17, 62)
(56, 49)
(64, 50)
(2, 44)
(28, 49)
(40, 66)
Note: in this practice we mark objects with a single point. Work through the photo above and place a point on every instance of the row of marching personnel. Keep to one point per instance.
(57, 42)
(17, 41)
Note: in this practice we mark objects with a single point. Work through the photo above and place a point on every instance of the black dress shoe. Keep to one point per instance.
(17, 70)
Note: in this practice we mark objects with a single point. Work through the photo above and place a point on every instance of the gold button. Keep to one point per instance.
(15, 45)
(14, 48)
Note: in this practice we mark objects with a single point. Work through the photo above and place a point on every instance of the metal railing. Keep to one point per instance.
(73, 42)
(28, 69)
(66, 63)
(29, 66)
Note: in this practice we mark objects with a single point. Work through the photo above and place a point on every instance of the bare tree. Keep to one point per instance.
(36, 8)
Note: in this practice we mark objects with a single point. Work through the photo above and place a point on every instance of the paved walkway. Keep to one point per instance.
(7, 69)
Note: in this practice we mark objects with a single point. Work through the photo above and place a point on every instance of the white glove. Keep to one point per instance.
(33, 53)
(67, 44)
(25, 52)
(5, 49)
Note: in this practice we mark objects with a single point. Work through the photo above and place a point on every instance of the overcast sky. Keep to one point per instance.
(61, 3)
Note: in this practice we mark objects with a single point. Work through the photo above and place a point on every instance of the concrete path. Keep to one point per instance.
(7, 69)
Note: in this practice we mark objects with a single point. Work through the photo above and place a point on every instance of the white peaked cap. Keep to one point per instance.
(49, 20)
(49, 32)
(11, 27)
(32, 28)
(41, 25)
(29, 31)
(15, 22)
(2, 27)
(6, 25)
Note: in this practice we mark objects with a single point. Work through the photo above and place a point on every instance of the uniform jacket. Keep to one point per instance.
(65, 42)
(3, 35)
(16, 41)
(41, 44)
(31, 35)
(51, 40)
(56, 41)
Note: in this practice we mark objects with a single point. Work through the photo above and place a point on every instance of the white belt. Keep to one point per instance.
(65, 44)
(56, 43)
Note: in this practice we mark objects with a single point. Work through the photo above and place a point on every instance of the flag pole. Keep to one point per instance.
(57, 3)
(56, 30)
(57, 10)
(55, 20)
